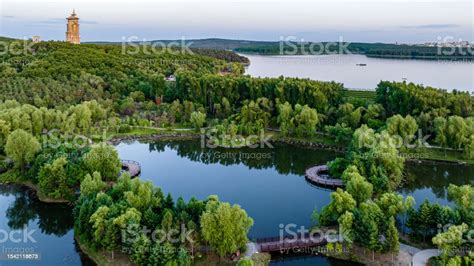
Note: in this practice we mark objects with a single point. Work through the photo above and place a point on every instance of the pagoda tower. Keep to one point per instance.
(72, 33)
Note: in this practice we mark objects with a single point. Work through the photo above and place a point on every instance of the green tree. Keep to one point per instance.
(100, 223)
(21, 147)
(450, 240)
(141, 250)
(4, 132)
(104, 159)
(341, 201)
(305, 120)
(390, 203)
(197, 119)
(358, 187)
(225, 227)
(53, 179)
(463, 195)
(92, 185)
(392, 241)
(346, 222)
(403, 128)
(285, 114)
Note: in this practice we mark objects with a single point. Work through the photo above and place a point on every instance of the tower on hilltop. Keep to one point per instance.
(72, 33)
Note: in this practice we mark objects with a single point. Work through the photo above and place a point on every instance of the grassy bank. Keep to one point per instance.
(319, 140)
(437, 155)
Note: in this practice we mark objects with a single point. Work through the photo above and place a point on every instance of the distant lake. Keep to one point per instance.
(447, 75)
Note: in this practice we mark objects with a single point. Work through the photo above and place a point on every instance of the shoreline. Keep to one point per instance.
(298, 142)
(103, 259)
(183, 136)
(99, 257)
(32, 187)
(469, 59)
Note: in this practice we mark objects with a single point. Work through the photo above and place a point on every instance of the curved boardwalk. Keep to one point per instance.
(312, 174)
(132, 167)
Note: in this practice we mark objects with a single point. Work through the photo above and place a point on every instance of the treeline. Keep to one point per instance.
(446, 116)
(210, 91)
(370, 49)
(409, 98)
(225, 55)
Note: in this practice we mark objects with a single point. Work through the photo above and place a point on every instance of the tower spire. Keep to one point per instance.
(72, 33)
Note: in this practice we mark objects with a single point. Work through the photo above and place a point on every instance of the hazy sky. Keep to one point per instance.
(402, 21)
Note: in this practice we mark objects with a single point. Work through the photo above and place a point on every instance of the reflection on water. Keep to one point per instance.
(268, 183)
(50, 227)
(272, 189)
(430, 180)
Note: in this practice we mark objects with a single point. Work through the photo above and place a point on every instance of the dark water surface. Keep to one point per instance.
(45, 230)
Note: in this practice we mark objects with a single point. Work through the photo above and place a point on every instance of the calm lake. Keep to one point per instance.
(268, 183)
(447, 75)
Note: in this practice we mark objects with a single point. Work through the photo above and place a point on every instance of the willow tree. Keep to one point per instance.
(21, 147)
(225, 227)
(104, 159)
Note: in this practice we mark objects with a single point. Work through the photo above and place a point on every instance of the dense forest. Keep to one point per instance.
(53, 91)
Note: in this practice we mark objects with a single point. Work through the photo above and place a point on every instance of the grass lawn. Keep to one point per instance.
(438, 155)
(364, 95)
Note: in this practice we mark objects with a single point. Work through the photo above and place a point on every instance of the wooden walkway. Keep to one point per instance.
(312, 174)
(279, 244)
(132, 167)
